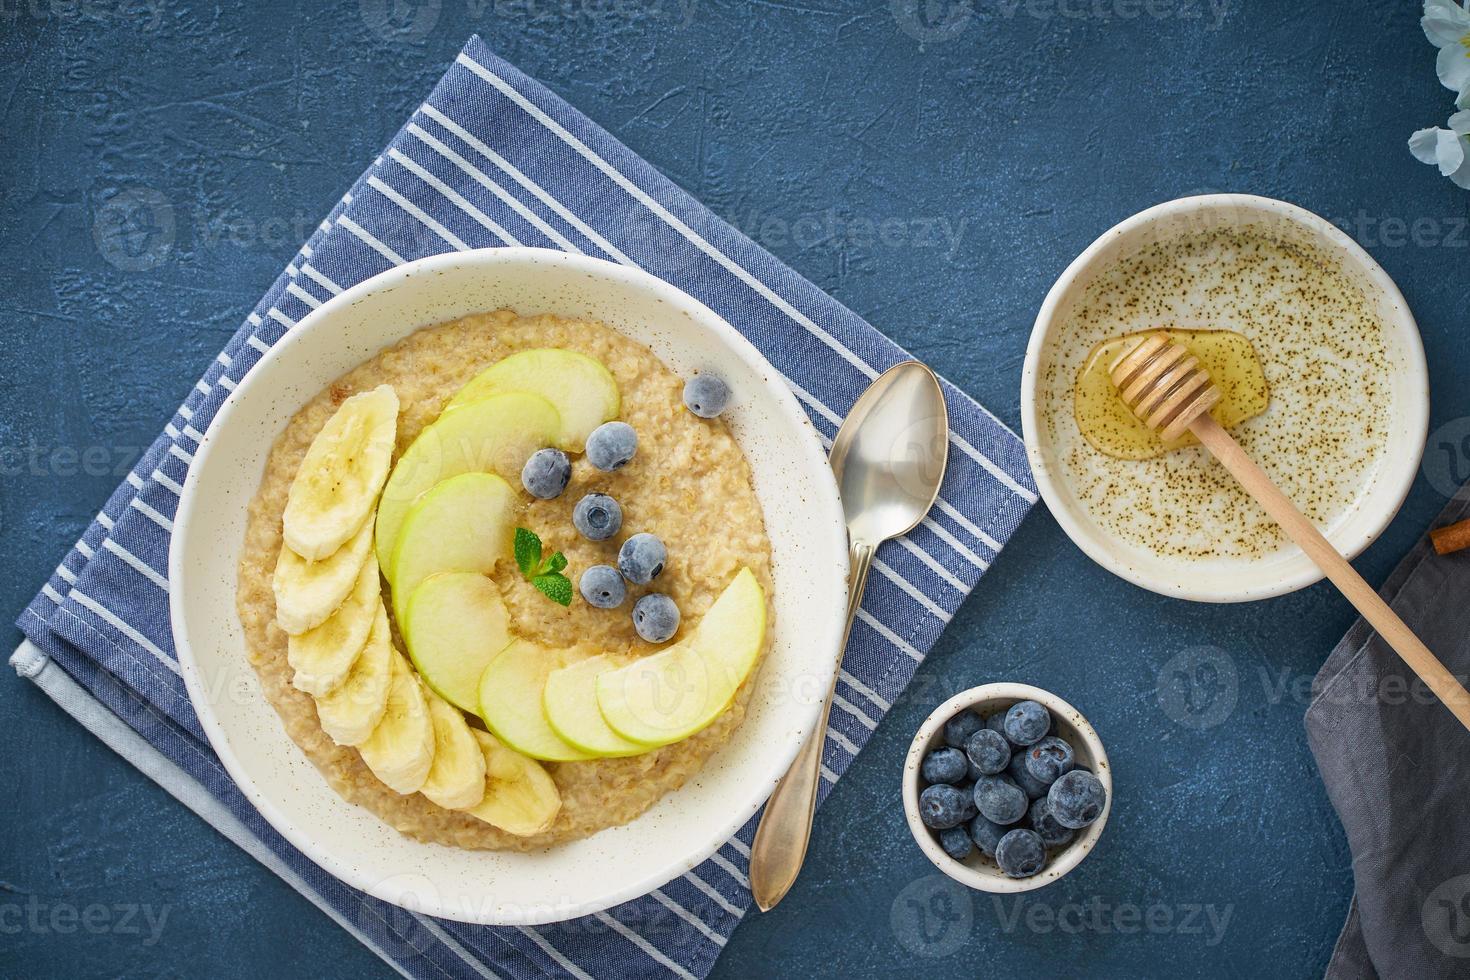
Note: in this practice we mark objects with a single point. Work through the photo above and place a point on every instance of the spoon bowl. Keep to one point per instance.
(890, 453)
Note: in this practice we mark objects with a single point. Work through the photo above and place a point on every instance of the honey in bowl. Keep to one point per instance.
(1110, 427)
(1315, 329)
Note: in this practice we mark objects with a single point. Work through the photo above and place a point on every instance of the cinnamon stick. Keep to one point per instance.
(1451, 538)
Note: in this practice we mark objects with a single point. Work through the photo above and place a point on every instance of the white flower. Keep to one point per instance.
(1448, 149)
(1447, 25)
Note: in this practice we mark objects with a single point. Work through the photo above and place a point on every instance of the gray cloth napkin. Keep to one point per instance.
(1397, 768)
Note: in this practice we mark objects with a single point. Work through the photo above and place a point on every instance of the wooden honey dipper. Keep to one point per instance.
(1164, 385)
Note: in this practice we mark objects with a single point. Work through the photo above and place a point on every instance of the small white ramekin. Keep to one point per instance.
(979, 871)
(1288, 569)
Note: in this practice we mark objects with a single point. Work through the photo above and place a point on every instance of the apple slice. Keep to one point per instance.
(456, 781)
(520, 798)
(350, 713)
(676, 692)
(496, 435)
(322, 657)
(341, 474)
(454, 626)
(465, 524)
(570, 701)
(400, 751)
(307, 592)
(510, 701)
(583, 392)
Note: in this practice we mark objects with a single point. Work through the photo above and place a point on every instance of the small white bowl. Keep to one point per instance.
(809, 548)
(1232, 580)
(979, 871)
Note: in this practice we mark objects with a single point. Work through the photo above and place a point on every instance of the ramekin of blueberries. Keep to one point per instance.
(1006, 787)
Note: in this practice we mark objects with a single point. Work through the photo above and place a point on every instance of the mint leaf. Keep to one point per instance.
(555, 586)
(546, 574)
(528, 552)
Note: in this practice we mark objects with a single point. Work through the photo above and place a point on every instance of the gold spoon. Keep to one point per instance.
(889, 458)
(1167, 389)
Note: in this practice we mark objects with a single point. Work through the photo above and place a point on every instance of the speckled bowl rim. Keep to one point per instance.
(741, 785)
(1381, 502)
(978, 871)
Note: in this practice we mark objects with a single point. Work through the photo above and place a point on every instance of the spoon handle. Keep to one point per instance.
(1367, 601)
(785, 829)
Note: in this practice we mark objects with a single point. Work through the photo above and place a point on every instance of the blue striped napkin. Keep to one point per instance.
(493, 158)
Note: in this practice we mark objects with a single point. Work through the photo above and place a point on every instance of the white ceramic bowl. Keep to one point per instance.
(1288, 568)
(979, 871)
(803, 519)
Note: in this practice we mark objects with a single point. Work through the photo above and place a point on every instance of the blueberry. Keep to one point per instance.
(655, 617)
(1049, 758)
(944, 765)
(967, 796)
(611, 445)
(1026, 722)
(603, 587)
(641, 558)
(546, 473)
(999, 800)
(597, 516)
(988, 751)
(956, 842)
(957, 730)
(1052, 833)
(991, 722)
(706, 395)
(1076, 799)
(986, 835)
(1020, 853)
(942, 807)
(1017, 770)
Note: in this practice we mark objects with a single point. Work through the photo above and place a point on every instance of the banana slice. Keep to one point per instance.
(400, 751)
(341, 475)
(308, 592)
(520, 797)
(457, 779)
(351, 712)
(323, 657)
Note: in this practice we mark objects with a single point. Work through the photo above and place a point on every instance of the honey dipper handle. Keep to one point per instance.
(1367, 601)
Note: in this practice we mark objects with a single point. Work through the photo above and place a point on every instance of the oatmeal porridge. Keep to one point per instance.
(687, 485)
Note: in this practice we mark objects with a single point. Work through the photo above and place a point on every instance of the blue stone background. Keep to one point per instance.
(1019, 130)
